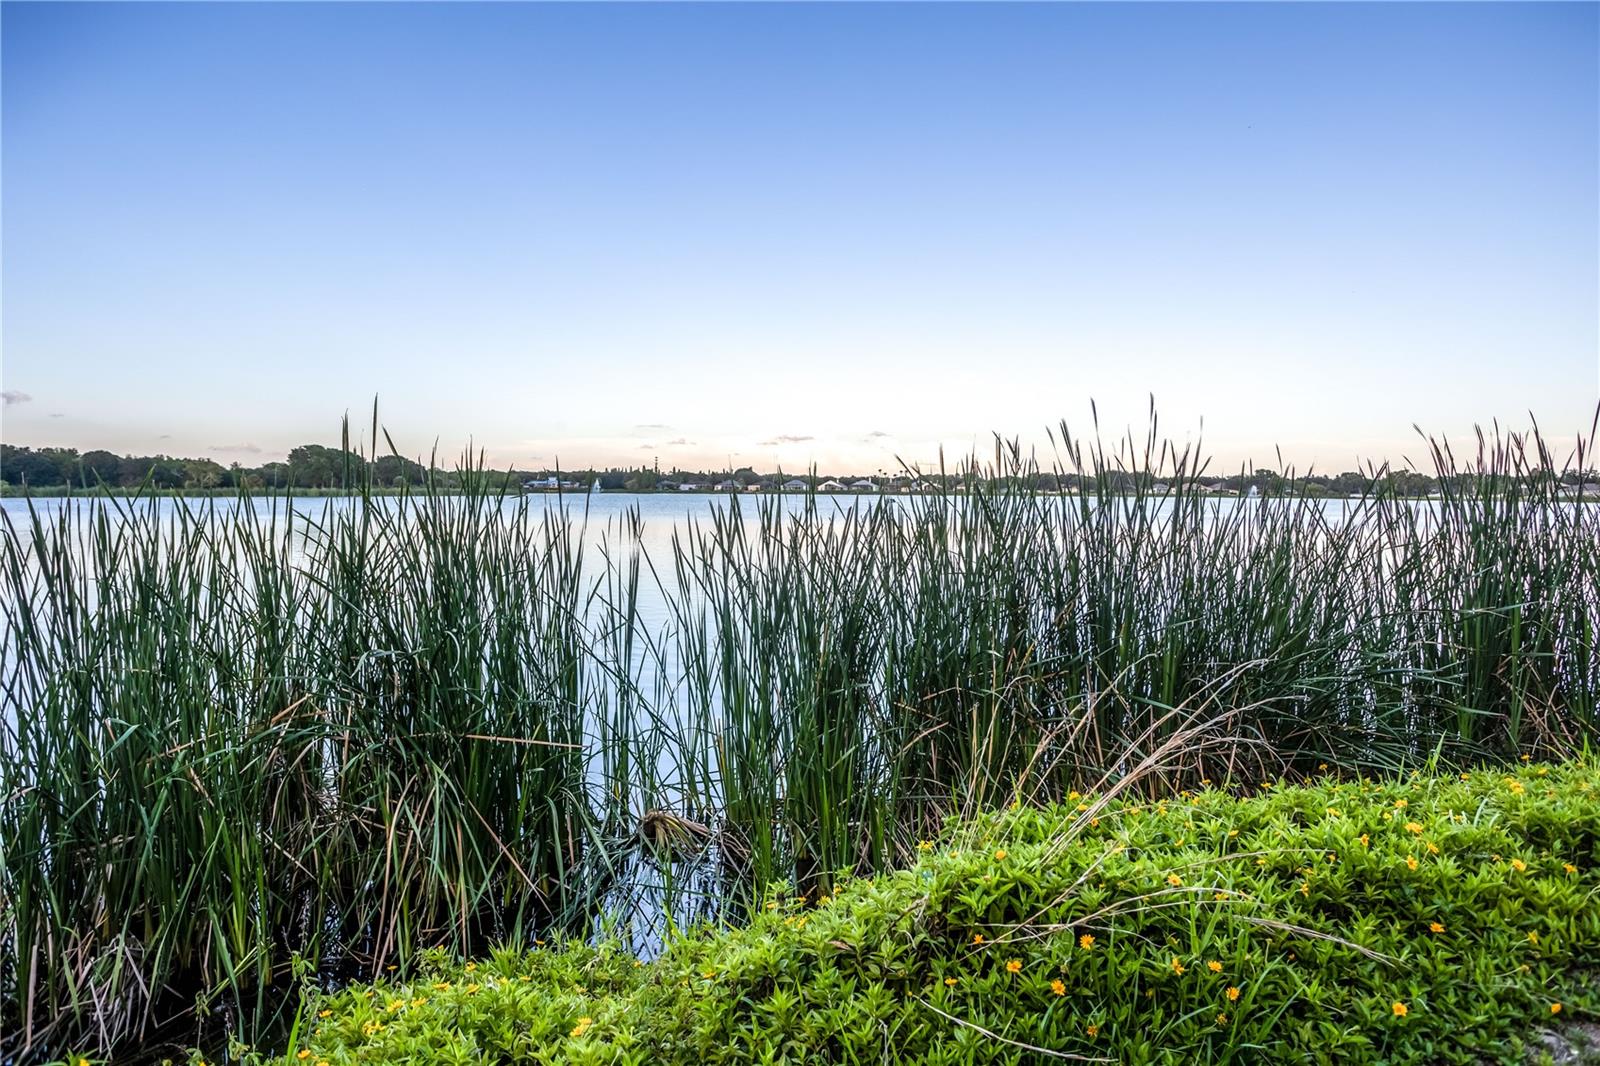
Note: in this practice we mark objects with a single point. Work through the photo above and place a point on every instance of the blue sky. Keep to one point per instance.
(780, 234)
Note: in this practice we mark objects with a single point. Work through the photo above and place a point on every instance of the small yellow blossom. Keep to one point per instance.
(1086, 942)
(1413, 827)
(1571, 869)
(1174, 880)
(582, 1026)
(1000, 854)
(1518, 865)
(1014, 966)
(1177, 965)
(304, 1053)
(1214, 966)
(1533, 938)
(1400, 1009)
(1555, 1008)
(1411, 862)
(977, 938)
(471, 966)
(1435, 927)
(1232, 993)
(1092, 1029)
(1400, 804)
(324, 1014)
(924, 845)
(950, 982)
(1222, 1019)
(1433, 849)
(1057, 987)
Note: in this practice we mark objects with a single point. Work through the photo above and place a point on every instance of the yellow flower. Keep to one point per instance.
(471, 966)
(950, 982)
(1214, 966)
(1232, 993)
(1571, 869)
(1092, 1029)
(1000, 854)
(472, 990)
(1220, 896)
(1435, 927)
(324, 1014)
(1413, 827)
(923, 845)
(1518, 865)
(1411, 862)
(1555, 1008)
(393, 1005)
(1222, 1019)
(322, 1062)
(1232, 833)
(1177, 965)
(1433, 849)
(1174, 880)
(977, 938)
(1014, 966)
(1057, 987)
(1400, 1009)
(305, 1053)
(1400, 804)
(1086, 942)
(1364, 840)
(1533, 938)
(582, 1026)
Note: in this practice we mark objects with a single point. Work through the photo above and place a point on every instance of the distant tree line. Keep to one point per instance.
(316, 466)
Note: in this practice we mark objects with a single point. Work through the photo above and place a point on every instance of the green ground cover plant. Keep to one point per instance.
(1416, 919)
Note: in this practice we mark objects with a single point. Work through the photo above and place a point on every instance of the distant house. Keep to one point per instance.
(539, 484)
(794, 484)
(754, 486)
(690, 486)
(864, 485)
(727, 485)
(833, 486)
(1161, 488)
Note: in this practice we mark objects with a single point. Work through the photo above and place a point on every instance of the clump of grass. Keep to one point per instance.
(1415, 919)
(235, 735)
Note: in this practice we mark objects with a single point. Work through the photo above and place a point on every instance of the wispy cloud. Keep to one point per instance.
(57, 414)
(651, 427)
(251, 449)
(878, 434)
(11, 396)
(679, 442)
(787, 438)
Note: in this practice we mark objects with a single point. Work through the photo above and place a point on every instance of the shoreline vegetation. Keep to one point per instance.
(1417, 919)
(244, 750)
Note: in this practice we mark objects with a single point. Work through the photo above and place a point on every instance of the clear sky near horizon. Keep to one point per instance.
(775, 234)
